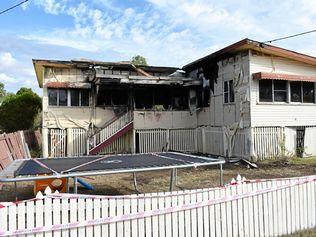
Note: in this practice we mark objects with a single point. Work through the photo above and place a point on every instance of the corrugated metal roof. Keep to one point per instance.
(281, 76)
(78, 85)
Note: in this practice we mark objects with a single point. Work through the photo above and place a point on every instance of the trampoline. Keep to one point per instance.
(74, 167)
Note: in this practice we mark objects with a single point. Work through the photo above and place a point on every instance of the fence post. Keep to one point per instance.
(203, 140)
(69, 142)
(45, 142)
(252, 144)
(168, 140)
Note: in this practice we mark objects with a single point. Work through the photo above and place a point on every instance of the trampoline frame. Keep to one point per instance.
(75, 175)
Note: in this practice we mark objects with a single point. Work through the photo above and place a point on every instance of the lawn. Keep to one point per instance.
(158, 181)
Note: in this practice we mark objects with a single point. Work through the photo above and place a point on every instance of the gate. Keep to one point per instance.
(300, 134)
(57, 142)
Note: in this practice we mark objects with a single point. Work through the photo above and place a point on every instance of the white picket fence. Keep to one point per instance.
(207, 140)
(157, 140)
(254, 208)
(267, 142)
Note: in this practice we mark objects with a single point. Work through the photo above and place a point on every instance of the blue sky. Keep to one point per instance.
(169, 33)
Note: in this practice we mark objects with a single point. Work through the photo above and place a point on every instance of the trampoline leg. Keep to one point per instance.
(135, 182)
(221, 174)
(75, 185)
(176, 176)
(172, 176)
(16, 191)
(67, 185)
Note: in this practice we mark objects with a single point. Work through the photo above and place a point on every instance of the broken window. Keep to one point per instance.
(302, 92)
(229, 93)
(144, 98)
(203, 97)
(180, 99)
(162, 97)
(112, 96)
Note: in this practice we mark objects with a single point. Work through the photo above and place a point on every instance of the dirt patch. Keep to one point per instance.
(158, 181)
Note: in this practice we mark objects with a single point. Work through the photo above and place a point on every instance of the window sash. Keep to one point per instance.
(68, 97)
(229, 93)
(294, 91)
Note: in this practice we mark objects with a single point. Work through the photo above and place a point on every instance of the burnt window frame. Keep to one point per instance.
(108, 97)
(228, 92)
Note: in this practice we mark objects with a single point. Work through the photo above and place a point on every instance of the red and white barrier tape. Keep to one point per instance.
(133, 216)
(173, 194)
(7, 204)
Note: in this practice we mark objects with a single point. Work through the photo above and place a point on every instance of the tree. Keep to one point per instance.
(139, 60)
(18, 111)
(2, 92)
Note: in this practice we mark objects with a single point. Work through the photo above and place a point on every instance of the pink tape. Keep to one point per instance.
(168, 210)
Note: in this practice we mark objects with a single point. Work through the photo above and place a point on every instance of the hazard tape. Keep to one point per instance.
(133, 216)
(172, 194)
(143, 196)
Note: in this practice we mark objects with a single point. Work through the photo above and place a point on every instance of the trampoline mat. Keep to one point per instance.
(108, 162)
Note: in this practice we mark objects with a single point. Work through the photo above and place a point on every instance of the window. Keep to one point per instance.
(280, 91)
(79, 97)
(84, 98)
(229, 93)
(302, 92)
(272, 91)
(74, 97)
(308, 92)
(265, 90)
(57, 97)
(64, 97)
(52, 96)
(296, 91)
(112, 96)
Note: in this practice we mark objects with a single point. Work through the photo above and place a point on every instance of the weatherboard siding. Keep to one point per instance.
(234, 68)
(279, 114)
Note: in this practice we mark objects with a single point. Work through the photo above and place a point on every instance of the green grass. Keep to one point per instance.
(303, 161)
(290, 161)
(305, 233)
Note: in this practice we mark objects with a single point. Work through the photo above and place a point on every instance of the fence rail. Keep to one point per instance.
(259, 208)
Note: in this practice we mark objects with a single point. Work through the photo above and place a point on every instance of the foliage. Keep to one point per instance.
(139, 60)
(18, 111)
(2, 92)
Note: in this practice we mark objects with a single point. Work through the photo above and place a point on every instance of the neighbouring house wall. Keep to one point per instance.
(203, 116)
(237, 69)
(164, 119)
(279, 114)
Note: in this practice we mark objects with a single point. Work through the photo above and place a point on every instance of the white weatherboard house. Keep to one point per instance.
(249, 100)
